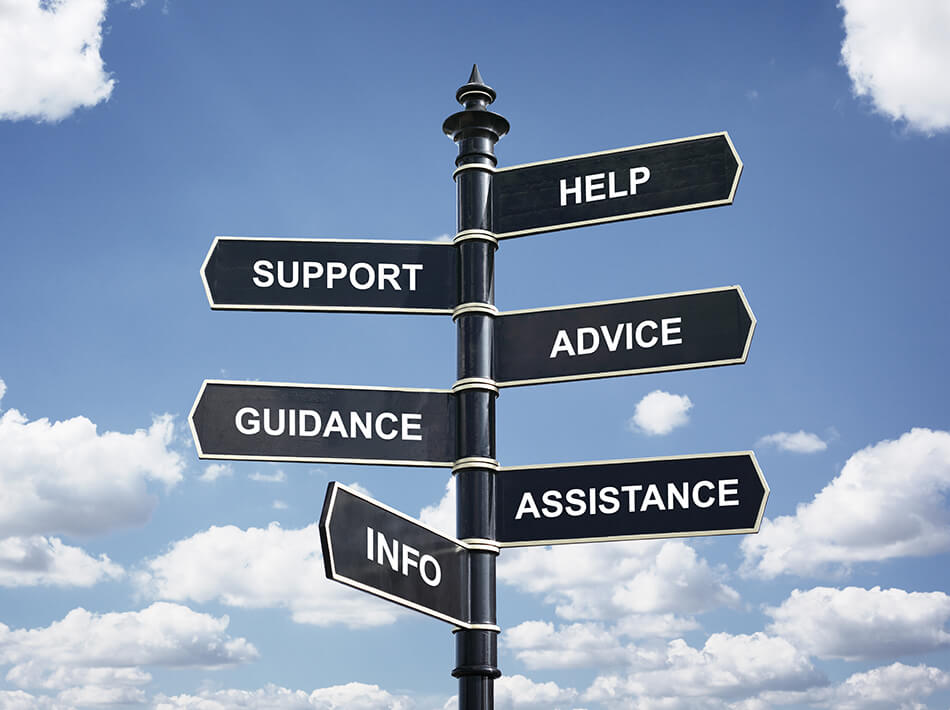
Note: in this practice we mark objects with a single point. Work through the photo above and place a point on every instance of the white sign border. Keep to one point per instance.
(298, 459)
(331, 563)
(642, 370)
(650, 536)
(629, 215)
(314, 309)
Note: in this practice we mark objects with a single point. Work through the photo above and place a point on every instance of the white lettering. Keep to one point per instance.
(370, 273)
(527, 505)
(667, 330)
(583, 349)
(436, 578)
(415, 424)
(708, 501)
(727, 488)
(590, 186)
(245, 426)
(379, 429)
(638, 176)
(265, 274)
(562, 342)
(576, 191)
(646, 343)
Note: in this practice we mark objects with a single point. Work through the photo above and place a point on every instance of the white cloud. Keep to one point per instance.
(441, 516)
(215, 471)
(727, 667)
(276, 477)
(279, 505)
(67, 478)
(888, 501)
(897, 54)
(660, 412)
(893, 687)
(855, 623)
(798, 442)
(260, 568)
(539, 645)
(89, 656)
(612, 581)
(49, 51)
(3, 389)
(516, 692)
(34, 561)
(351, 696)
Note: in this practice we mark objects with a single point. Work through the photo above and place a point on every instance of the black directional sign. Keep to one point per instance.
(324, 423)
(372, 547)
(673, 176)
(658, 333)
(324, 275)
(713, 494)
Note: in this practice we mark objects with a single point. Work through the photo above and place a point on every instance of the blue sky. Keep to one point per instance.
(134, 575)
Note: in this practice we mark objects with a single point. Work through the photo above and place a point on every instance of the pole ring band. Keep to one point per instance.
(483, 544)
(461, 97)
(476, 307)
(476, 462)
(478, 627)
(473, 166)
(475, 383)
(475, 234)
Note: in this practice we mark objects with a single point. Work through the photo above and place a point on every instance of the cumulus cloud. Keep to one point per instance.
(441, 516)
(609, 582)
(893, 687)
(898, 56)
(260, 568)
(276, 477)
(798, 442)
(215, 471)
(49, 51)
(539, 645)
(65, 477)
(887, 502)
(42, 561)
(96, 658)
(3, 389)
(351, 696)
(728, 667)
(515, 692)
(856, 624)
(659, 413)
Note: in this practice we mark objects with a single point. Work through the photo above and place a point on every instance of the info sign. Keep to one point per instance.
(711, 494)
(654, 334)
(324, 423)
(372, 547)
(377, 276)
(646, 180)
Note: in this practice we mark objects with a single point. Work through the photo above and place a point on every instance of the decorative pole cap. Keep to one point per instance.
(475, 91)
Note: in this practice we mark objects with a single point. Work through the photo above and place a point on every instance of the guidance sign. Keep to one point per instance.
(372, 547)
(324, 275)
(673, 176)
(654, 334)
(712, 494)
(324, 423)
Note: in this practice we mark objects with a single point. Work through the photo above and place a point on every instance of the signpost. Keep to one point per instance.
(655, 334)
(379, 550)
(324, 275)
(372, 547)
(713, 494)
(324, 423)
(646, 180)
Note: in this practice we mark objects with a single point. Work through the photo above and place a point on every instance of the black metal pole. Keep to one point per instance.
(476, 130)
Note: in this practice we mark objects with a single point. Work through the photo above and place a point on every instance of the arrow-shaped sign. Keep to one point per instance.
(352, 275)
(266, 421)
(673, 176)
(675, 331)
(372, 547)
(713, 494)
